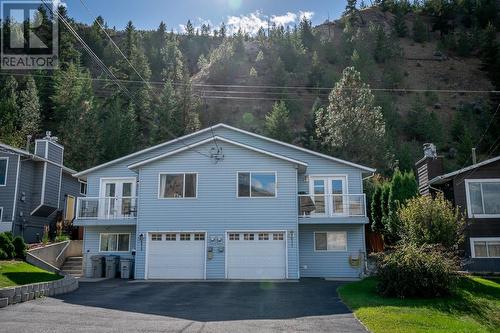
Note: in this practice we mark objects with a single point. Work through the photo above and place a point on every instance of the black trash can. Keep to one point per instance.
(111, 266)
(97, 266)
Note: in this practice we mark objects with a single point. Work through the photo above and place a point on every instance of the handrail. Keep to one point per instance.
(63, 250)
(105, 208)
(332, 205)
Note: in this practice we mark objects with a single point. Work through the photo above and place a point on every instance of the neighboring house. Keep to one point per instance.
(224, 203)
(476, 191)
(35, 188)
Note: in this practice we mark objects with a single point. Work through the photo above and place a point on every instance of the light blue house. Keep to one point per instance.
(224, 203)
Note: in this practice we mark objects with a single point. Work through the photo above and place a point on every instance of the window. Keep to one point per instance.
(185, 237)
(170, 237)
(179, 185)
(483, 197)
(83, 188)
(115, 243)
(1, 214)
(485, 247)
(256, 184)
(234, 236)
(199, 236)
(330, 241)
(264, 236)
(278, 236)
(248, 236)
(3, 170)
(156, 237)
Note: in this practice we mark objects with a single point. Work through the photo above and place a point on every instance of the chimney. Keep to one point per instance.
(428, 167)
(49, 148)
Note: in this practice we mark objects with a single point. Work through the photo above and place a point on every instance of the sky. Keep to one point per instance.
(247, 14)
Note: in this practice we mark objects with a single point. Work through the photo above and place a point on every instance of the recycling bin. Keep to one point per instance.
(111, 266)
(97, 266)
(126, 268)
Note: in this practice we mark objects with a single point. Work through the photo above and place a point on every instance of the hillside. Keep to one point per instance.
(428, 77)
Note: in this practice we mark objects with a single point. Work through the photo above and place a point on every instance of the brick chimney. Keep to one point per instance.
(428, 167)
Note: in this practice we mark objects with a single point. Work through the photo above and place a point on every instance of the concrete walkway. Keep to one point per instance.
(123, 306)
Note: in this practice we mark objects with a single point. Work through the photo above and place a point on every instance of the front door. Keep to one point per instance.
(116, 199)
(328, 195)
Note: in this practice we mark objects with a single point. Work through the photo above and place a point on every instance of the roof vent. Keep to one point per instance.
(430, 150)
(48, 136)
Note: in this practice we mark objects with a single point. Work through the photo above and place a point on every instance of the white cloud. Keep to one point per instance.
(284, 19)
(251, 23)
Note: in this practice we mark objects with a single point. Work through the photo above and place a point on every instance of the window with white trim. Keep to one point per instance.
(248, 236)
(114, 242)
(199, 236)
(83, 187)
(1, 214)
(330, 241)
(263, 236)
(278, 236)
(170, 237)
(256, 184)
(178, 185)
(234, 236)
(156, 237)
(485, 247)
(3, 170)
(185, 237)
(483, 197)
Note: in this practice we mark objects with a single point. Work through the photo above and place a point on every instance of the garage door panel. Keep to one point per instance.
(176, 259)
(256, 259)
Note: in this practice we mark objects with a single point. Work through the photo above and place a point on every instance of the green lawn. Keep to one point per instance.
(474, 307)
(13, 273)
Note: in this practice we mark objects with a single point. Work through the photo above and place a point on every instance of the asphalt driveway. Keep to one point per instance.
(129, 306)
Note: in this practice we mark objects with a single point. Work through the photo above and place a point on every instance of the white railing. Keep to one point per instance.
(332, 205)
(108, 208)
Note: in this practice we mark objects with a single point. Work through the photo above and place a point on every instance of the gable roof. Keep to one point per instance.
(443, 178)
(219, 138)
(10, 149)
(221, 125)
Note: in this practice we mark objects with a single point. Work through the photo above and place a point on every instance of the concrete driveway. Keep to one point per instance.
(310, 305)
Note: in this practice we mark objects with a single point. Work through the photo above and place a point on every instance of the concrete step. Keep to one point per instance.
(72, 264)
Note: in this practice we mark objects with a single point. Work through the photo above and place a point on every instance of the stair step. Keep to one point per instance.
(70, 264)
(72, 271)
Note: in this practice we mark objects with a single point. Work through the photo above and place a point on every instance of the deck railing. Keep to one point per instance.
(106, 208)
(331, 205)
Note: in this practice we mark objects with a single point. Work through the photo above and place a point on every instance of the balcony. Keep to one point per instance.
(109, 210)
(332, 206)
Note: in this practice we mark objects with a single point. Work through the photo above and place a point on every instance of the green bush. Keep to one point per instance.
(19, 247)
(61, 238)
(433, 221)
(6, 245)
(415, 271)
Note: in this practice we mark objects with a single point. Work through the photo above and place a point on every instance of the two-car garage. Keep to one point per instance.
(247, 255)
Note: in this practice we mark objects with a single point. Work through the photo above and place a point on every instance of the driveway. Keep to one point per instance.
(311, 305)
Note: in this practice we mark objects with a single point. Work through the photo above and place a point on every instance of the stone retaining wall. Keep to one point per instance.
(28, 292)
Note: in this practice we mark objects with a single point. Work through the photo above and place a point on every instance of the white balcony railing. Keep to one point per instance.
(108, 208)
(332, 205)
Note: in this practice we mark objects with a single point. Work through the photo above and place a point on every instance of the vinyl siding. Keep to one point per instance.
(330, 264)
(7, 192)
(91, 244)
(217, 208)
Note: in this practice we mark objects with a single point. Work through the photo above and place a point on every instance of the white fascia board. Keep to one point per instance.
(239, 144)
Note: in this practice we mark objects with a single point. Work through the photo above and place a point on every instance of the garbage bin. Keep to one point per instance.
(111, 266)
(126, 268)
(97, 266)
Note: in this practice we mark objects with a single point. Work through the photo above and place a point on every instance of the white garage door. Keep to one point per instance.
(256, 255)
(176, 255)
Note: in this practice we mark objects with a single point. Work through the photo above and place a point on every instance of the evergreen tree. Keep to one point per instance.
(164, 113)
(351, 12)
(399, 24)
(9, 113)
(29, 109)
(351, 120)
(376, 211)
(278, 123)
(419, 30)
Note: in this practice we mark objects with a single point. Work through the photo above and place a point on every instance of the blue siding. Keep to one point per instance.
(217, 208)
(330, 264)
(91, 244)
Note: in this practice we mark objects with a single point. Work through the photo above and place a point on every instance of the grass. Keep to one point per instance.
(15, 273)
(473, 307)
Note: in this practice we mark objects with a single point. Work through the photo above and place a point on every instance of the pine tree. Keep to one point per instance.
(399, 24)
(29, 109)
(164, 113)
(9, 113)
(351, 12)
(419, 30)
(351, 120)
(278, 123)
(376, 210)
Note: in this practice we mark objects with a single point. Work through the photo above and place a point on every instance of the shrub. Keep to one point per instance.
(61, 238)
(3, 255)
(19, 247)
(415, 271)
(427, 220)
(6, 245)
